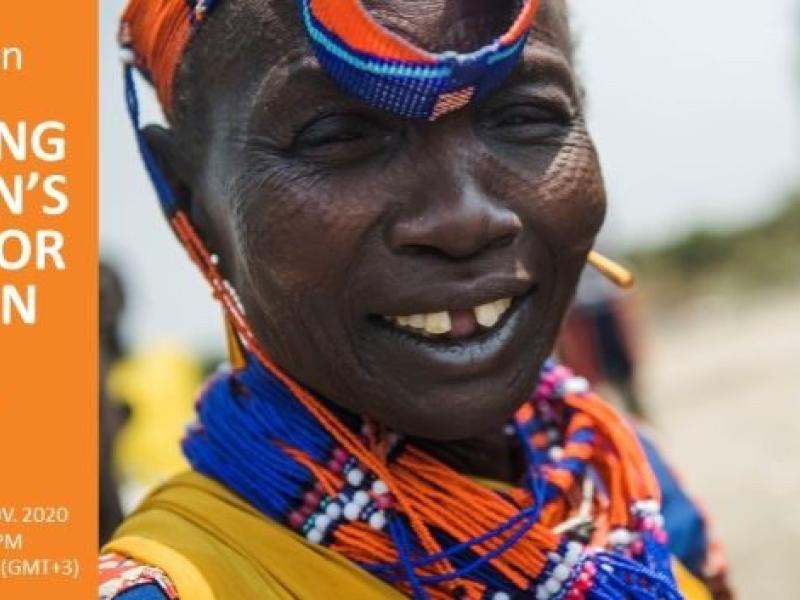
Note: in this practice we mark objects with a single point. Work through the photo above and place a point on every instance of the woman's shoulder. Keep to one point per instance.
(122, 578)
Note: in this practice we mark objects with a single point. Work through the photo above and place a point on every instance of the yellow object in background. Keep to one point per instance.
(160, 384)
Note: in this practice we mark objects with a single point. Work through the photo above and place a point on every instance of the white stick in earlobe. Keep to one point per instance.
(615, 273)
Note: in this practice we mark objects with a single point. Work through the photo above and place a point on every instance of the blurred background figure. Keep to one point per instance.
(146, 400)
(600, 340)
(112, 414)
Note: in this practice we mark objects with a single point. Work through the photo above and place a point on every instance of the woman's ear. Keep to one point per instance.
(177, 172)
(170, 161)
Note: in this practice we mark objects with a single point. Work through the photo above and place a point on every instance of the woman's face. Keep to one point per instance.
(367, 249)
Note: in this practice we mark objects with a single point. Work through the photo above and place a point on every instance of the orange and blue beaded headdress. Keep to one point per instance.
(365, 59)
(392, 74)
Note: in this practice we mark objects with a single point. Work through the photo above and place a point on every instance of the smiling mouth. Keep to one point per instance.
(454, 324)
(456, 340)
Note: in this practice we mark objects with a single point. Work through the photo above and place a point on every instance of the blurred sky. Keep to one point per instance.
(694, 105)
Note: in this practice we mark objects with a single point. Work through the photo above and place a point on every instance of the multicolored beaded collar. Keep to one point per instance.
(366, 60)
(584, 523)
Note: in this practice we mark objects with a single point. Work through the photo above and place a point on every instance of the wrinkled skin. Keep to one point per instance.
(327, 214)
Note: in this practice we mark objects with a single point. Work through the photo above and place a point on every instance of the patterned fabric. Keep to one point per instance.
(124, 579)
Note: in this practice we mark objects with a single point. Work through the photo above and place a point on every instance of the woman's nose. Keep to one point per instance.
(466, 224)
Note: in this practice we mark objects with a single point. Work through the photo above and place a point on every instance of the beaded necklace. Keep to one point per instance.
(585, 523)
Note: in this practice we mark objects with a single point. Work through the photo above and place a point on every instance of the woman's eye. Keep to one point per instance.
(526, 123)
(340, 138)
(322, 138)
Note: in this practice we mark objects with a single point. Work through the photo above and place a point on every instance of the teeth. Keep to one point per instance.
(487, 315)
(417, 321)
(437, 323)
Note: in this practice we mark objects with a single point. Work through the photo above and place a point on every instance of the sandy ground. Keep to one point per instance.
(723, 381)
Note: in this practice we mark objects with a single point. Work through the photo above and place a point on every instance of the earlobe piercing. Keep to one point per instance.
(615, 273)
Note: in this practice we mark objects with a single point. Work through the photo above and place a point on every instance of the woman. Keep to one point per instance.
(394, 234)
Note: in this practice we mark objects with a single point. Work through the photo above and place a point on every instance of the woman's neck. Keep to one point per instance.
(493, 455)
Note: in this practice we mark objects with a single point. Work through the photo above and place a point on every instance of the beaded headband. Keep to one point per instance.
(392, 74)
(366, 60)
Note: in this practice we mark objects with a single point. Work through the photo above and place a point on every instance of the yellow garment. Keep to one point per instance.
(214, 546)
(691, 588)
(241, 555)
